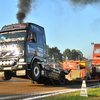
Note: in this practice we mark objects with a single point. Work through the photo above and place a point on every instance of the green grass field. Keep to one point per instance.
(93, 94)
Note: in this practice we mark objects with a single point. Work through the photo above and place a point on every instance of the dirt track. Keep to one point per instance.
(17, 86)
(24, 86)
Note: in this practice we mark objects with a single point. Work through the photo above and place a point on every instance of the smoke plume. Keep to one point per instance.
(24, 8)
(84, 2)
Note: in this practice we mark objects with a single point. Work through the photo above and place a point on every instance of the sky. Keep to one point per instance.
(67, 25)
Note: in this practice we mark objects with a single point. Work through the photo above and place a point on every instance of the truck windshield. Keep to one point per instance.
(96, 51)
(13, 36)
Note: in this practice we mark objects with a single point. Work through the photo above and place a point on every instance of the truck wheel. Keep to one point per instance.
(35, 72)
(7, 75)
(62, 80)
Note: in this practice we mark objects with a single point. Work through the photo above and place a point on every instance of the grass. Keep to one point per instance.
(93, 94)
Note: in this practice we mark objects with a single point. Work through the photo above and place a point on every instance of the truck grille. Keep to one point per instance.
(2, 54)
(13, 53)
(5, 54)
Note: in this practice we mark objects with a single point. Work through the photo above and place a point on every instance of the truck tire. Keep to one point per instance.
(62, 80)
(35, 72)
(7, 76)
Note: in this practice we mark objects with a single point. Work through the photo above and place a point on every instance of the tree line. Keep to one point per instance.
(53, 54)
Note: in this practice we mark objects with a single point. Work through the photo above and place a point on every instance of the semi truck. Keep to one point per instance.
(84, 70)
(23, 54)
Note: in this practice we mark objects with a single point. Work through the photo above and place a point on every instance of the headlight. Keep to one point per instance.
(8, 62)
(4, 62)
(11, 62)
(21, 60)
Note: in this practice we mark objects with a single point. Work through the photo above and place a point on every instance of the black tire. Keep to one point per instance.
(35, 72)
(7, 76)
(62, 80)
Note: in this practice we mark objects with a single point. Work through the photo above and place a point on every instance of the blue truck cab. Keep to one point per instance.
(23, 53)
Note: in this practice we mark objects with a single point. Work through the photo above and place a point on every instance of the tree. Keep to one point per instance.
(71, 54)
(67, 53)
(56, 53)
(80, 55)
(53, 52)
(74, 54)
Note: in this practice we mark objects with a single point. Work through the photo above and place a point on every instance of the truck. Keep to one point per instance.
(23, 54)
(96, 61)
(84, 70)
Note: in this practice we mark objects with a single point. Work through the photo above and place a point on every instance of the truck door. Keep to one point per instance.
(31, 45)
(40, 46)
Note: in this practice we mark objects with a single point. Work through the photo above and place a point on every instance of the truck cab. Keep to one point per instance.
(20, 45)
(96, 61)
(96, 54)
